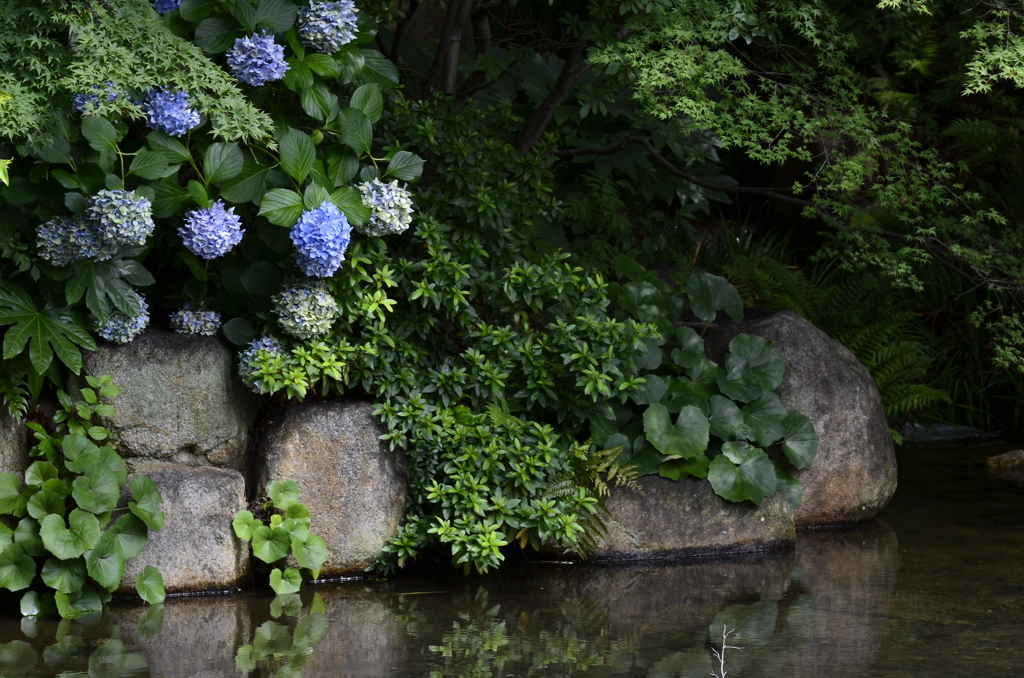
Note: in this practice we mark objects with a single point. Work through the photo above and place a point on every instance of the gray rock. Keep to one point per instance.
(1013, 459)
(181, 401)
(197, 548)
(671, 519)
(13, 444)
(352, 484)
(199, 637)
(854, 475)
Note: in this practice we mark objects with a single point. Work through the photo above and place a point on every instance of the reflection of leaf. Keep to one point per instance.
(289, 604)
(151, 621)
(17, 658)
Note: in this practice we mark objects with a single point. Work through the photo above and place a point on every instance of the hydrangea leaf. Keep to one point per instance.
(356, 130)
(752, 477)
(405, 166)
(149, 584)
(297, 153)
(281, 206)
(800, 440)
(100, 134)
(65, 576)
(368, 99)
(222, 161)
(350, 202)
(289, 581)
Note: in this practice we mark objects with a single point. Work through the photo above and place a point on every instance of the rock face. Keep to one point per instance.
(13, 444)
(686, 518)
(197, 548)
(1013, 459)
(854, 475)
(181, 401)
(352, 484)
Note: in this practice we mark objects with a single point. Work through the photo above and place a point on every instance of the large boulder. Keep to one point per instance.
(352, 483)
(671, 519)
(181, 402)
(196, 550)
(13, 444)
(854, 475)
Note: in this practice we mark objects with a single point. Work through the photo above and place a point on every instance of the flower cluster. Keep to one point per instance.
(258, 349)
(121, 328)
(188, 321)
(165, 6)
(306, 310)
(61, 241)
(120, 219)
(212, 231)
(321, 237)
(86, 103)
(169, 112)
(390, 207)
(327, 26)
(257, 60)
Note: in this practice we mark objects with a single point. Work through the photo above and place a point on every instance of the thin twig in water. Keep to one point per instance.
(720, 654)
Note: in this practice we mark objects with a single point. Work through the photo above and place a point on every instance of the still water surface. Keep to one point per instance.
(935, 588)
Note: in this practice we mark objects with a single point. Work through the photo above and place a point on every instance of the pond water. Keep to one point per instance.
(935, 588)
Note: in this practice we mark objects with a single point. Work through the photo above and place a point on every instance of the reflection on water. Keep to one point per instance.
(945, 599)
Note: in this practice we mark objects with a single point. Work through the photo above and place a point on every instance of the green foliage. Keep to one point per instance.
(285, 534)
(283, 649)
(70, 497)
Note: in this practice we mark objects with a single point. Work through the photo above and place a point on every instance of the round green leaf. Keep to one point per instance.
(688, 438)
(753, 477)
(270, 545)
(44, 503)
(801, 440)
(788, 486)
(74, 446)
(244, 524)
(6, 537)
(26, 535)
(764, 419)
(30, 605)
(66, 576)
(283, 493)
(677, 469)
(71, 540)
(692, 352)
(149, 584)
(17, 569)
(310, 553)
(725, 418)
(147, 502)
(79, 603)
(58, 487)
(288, 604)
(288, 582)
(97, 490)
(296, 529)
(151, 622)
(753, 361)
(105, 456)
(105, 562)
(11, 501)
(131, 535)
(297, 512)
(710, 293)
(39, 472)
(17, 658)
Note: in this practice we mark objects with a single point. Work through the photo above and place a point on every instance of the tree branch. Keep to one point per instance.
(541, 117)
(444, 70)
(400, 31)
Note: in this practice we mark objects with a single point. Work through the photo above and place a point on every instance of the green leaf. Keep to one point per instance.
(298, 512)
(692, 352)
(245, 14)
(197, 10)
(342, 166)
(677, 469)
(283, 493)
(100, 134)
(69, 540)
(105, 561)
(310, 553)
(765, 419)
(753, 365)
(102, 285)
(6, 537)
(51, 329)
(245, 524)
(725, 418)
(350, 202)
(322, 64)
(710, 293)
(261, 278)
(222, 161)
(405, 166)
(688, 438)
(97, 491)
(79, 603)
(66, 576)
(288, 582)
(298, 77)
(150, 165)
(104, 456)
(151, 622)
(238, 331)
(297, 153)
(39, 472)
(17, 569)
(368, 99)
(11, 500)
(45, 503)
(319, 102)
(277, 16)
(216, 35)
(169, 197)
(166, 146)
(130, 534)
(147, 502)
(377, 69)
(58, 152)
(248, 185)
(270, 545)
(753, 477)
(788, 486)
(651, 392)
(31, 606)
(314, 196)
(26, 535)
(281, 206)
(149, 584)
(801, 440)
(356, 130)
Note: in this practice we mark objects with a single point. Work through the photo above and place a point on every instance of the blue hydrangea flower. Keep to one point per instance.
(121, 328)
(390, 207)
(305, 311)
(211, 232)
(86, 103)
(257, 60)
(169, 112)
(321, 237)
(165, 6)
(186, 320)
(264, 347)
(326, 26)
(120, 219)
(61, 241)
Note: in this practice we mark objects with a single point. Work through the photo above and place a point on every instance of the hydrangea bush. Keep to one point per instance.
(188, 320)
(306, 310)
(211, 232)
(321, 237)
(257, 60)
(121, 328)
(328, 26)
(390, 207)
(170, 112)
